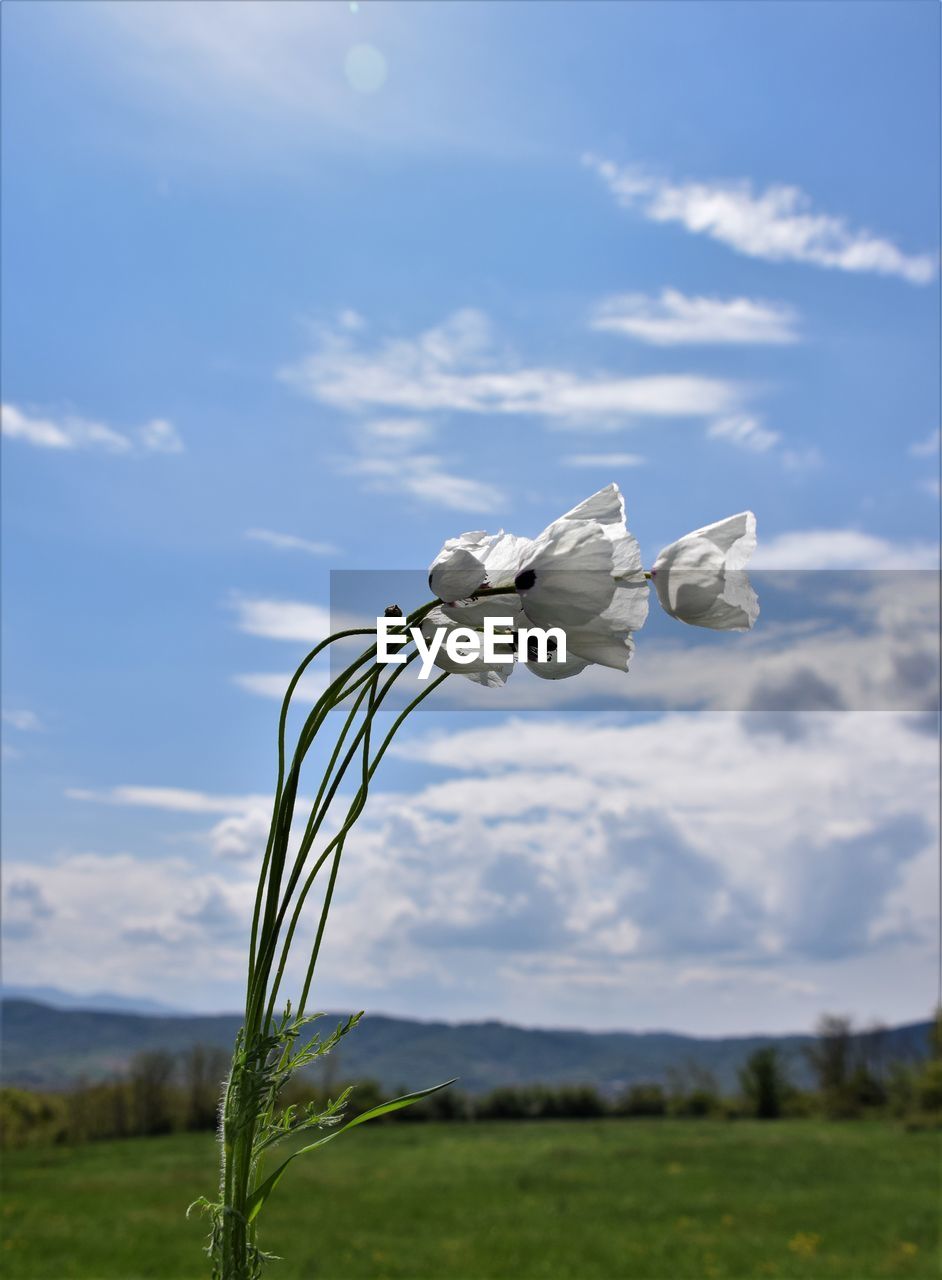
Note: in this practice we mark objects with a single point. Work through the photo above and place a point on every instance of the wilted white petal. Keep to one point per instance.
(481, 672)
(607, 508)
(471, 613)
(504, 555)
(606, 648)
(699, 578)
(568, 579)
(553, 669)
(456, 571)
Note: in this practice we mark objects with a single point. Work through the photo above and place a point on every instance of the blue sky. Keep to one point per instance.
(292, 287)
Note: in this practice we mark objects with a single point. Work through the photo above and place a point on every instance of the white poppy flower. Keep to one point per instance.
(499, 557)
(700, 580)
(585, 575)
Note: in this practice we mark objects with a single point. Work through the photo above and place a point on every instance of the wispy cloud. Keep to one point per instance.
(424, 477)
(281, 619)
(171, 799)
(842, 549)
(160, 436)
(289, 542)
(240, 832)
(387, 459)
(603, 460)
(928, 447)
(745, 431)
(674, 319)
(457, 367)
(778, 224)
(24, 720)
(70, 432)
(273, 684)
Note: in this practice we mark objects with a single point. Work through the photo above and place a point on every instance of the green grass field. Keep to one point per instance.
(546, 1200)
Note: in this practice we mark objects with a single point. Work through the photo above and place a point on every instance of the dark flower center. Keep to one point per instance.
(525, 579)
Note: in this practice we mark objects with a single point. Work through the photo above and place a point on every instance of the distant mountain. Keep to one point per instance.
(44, 1047)
(60, 999)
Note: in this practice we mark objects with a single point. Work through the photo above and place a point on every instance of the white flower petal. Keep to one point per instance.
(553, 669)
(607, 649)
(569, 578)
(471, 613)
(607, 508)
(699, 578)
(488, 673)
(504, 556)
(457, 571)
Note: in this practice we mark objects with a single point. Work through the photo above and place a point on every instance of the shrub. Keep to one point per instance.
(764, 1084)
(642, 1100)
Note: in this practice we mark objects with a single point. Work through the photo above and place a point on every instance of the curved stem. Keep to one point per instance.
(282, 722)
(313, 826)
(287, 791)
(352, 815)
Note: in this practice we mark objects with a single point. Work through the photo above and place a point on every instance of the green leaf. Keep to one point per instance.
(262, 1193)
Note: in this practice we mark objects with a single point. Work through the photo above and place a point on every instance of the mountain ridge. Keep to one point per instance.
(53, 1048)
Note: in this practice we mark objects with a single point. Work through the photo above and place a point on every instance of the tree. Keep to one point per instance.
(151, 1102)
(203, 1070)
(764, 1083)
(830, 1055)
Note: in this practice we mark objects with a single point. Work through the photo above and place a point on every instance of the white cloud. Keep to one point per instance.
(777, 224)
(928, 447)
(290, 542)
(456, 367)
(425, 476)
(282, 619)
(242, 830)
(745, 431)
(802, 459)
(71, 432)
(675, 319)
(66, 433)
(160, 436)
(395, 433)
(566, 858)
(387, 461)
(242, 835)
(562, 870)
(171, 799)
(603, 460)
(23, 719)
(274, 684)
(842, 549)
(137, 925)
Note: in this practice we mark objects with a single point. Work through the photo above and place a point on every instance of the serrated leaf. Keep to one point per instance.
(262, 1193)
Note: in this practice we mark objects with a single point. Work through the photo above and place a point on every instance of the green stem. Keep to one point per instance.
(282, 722)
(314, 824)
(237, 1251)
(353, 813)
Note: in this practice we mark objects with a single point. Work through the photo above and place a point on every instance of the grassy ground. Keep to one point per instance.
(548, 1200)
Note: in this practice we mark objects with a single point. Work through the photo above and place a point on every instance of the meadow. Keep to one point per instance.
(548, 1200)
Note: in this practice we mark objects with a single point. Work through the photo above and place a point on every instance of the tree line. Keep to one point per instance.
(854, 1076)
